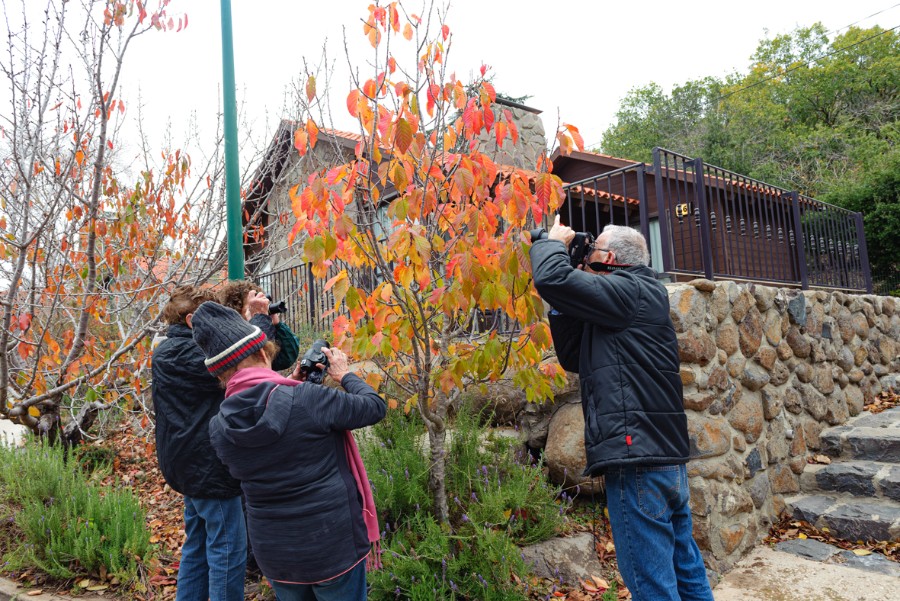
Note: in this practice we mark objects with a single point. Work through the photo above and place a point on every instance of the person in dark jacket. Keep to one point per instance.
(185, 398)
(310, 511)
(610, 324)
(243, 297)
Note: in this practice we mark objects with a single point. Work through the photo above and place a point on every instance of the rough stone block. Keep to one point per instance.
(875, 562)
(890, 484)
(856, 478)
(750, 332)
(727, 338)
(747, 417)
(759, 489)
(863, 521)
(731, 536)
(696, 347)
(753, 463)
(874, 444)
(811, 508)
(709, 436)
(797, 309)
(783, 480)
(798, 342)
(766, 357)
(808, 548)
(772, 402)
(754, 377)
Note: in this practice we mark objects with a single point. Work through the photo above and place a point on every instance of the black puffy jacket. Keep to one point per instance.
(286, 445)
(615, 332)
(185, 398)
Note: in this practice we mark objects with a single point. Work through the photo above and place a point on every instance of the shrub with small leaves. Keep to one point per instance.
(499, 498)
(69, 527)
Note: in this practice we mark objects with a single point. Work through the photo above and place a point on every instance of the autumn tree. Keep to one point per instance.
(89, 246)
(427, 232)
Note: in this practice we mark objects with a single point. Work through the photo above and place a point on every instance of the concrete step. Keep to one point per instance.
(869, 444)
(858, 478)
(848, 517)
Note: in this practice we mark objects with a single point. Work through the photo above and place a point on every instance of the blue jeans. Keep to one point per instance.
(214, 554)
(350, 586)
(650, 514)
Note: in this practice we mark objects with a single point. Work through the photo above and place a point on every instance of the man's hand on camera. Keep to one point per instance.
(338, 364)
(561, 232)
(257, 303)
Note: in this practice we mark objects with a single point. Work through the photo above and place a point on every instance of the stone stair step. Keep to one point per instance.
(848, 517)
(858, 478)
(867, 443)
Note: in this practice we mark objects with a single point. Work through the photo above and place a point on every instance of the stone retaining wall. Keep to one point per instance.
(765, 370)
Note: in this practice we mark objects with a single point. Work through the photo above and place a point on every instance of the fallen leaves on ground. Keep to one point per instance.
(789, 529)
(883, 401)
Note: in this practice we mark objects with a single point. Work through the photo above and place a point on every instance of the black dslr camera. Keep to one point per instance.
(579, 248)
(315, 355)
(274, 308)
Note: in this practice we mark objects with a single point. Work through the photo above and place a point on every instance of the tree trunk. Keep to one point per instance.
(437, 480)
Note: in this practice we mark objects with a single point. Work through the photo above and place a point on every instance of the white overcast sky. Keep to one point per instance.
(576, 58)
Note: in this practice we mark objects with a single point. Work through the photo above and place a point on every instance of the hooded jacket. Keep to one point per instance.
(615, 332)
(287, 447)
(185, 397)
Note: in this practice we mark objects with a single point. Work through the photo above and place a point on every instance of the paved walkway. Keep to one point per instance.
(763, 575)
(770, 575)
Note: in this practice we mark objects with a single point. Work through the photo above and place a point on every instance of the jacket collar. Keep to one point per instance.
(179, 330)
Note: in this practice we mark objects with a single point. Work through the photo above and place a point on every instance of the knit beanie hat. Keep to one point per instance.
(224, 336)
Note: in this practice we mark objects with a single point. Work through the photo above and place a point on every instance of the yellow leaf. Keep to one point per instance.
(34, 412)
(84, 583)
(600, 582)
(801, 536)
(507, 513)
(98, 587)
(861, 552)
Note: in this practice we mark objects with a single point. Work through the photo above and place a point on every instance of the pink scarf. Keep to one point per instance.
(251, 376)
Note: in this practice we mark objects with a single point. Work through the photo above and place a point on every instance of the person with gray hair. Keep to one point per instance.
(627, 244)
(610, 324)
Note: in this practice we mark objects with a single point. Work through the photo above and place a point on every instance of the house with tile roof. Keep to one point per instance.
(699, 220)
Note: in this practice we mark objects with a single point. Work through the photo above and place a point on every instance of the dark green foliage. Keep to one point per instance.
(68, 526)
(498, 499)
(877, 196)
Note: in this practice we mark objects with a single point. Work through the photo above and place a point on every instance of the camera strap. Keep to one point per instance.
(597, 266)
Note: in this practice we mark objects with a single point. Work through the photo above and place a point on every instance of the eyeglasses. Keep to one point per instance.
(595, 248)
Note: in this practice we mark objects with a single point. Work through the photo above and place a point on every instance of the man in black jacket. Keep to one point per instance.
(185, 398)
(610, 324)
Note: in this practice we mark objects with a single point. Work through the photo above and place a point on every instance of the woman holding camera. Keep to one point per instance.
(310, 512)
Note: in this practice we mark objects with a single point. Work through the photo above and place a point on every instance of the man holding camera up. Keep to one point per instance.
(610, 324)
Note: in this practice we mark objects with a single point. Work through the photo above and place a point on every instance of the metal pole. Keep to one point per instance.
(232, 168)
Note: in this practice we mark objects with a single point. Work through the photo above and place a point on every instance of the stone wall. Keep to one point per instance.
(765, 370)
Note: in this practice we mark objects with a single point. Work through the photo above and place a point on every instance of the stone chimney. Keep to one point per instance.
(531, 143)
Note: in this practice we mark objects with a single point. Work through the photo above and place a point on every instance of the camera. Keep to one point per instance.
(579, 248)
(312, 357)
(274, 308)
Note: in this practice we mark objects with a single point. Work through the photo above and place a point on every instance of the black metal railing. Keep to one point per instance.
(717, 223)
(701, 220)
(615, 197)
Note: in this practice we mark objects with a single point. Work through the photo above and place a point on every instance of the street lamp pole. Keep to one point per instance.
(232, 169)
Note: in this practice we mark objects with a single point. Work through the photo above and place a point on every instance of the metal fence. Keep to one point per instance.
(717, 223)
